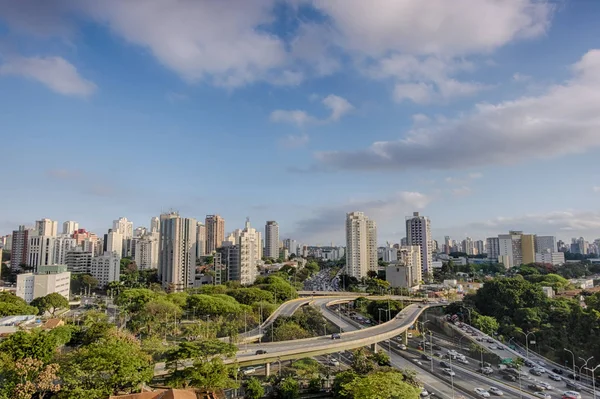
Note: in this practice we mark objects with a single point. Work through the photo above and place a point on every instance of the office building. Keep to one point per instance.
(46, 227)
(106, 268)
(418, 232)
(228, 263)
(527, 248)
(177, 251)
(552, 258)
(40, 251)
(361, 245)
(545, 244)
(215, 232)
(493, 248)
(146, 251)
(19, 247)
(250, 245)
(47, 281)
(272, 239)
(79, 261)
(70, 227)
(291, 246)
(200, 240)
(479, 247)
(113, 242)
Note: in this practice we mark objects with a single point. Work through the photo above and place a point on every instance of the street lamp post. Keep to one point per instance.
(431, 349)
(585, 362)
(593, 378)
(451, 376)
(572, 354)
(459, 341)
(527, 340)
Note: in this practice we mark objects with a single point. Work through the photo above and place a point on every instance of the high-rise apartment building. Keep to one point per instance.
(291, 246)
(510, 249)
(527, 248)
(200, 240)
(272, 239)
(147, 251)
(62, 245)
(361, 245)
(250, 245)
(79, 261)
(215, 232)
(113, 242)
(19, 247)
(123, 227)
(479, 247)
(447, 245)
(229, 261)
(177, 251)
(46, 227)
(418, 232)
(406, 272)
(155, 224)
(106, 268)
(70, 227)
(468, 246)
(493, 247)
(40, 251)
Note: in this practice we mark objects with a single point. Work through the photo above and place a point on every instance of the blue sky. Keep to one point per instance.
(483, 114)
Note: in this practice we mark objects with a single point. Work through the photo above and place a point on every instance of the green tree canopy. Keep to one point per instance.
(134, 299)
(254, 389)
(11, 305)
(50, 303)
(381, 384)
(288, 388)
(290, 331)
(214, 305)
(249, 296)
(35, 344)
(281, 289)
(487, 324)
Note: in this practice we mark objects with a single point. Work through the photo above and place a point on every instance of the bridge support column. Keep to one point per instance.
(374, 348)
(267, 369)
(405, 337)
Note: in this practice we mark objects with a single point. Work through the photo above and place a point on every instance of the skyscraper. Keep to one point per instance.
(19, 247)
(545, 244)
(70, 227)
(250, 254)
(291, 245)
(123, 227)
(200, 240)
(177, 251)
(215, 232)
(493, 248)
(418, 232)
(272, 239)
(361, 245)
(46, 227)
(154, 225)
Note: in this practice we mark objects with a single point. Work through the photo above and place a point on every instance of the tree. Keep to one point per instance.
(360, 362)
(486, 324)
(11, 305)
(372, 274)
(288, 388)
(214, 305)
(113, 364)
(248, 296)
(281, 289)
(254, 389)
(155, 316)
(27, 378)
(35, 344)
(134, 299)
(381, 358)
(290, 331)
(50, 303)
(382, 384)
(340, 380)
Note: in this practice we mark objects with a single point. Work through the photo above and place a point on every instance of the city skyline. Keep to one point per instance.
(336, 112)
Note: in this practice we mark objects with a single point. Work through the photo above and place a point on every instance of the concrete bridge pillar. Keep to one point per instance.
(374, 348)
(267, 369)
(405, 337)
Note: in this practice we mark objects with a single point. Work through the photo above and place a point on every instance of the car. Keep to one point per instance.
(545, 385)
(437, 347)
(250, 370)
(554, 377)
(462, 360)
(425, 357)
(449, 372)
(444, 365)
(495, 391)
(489, 340)
(409, 335)
(573, 385)
(535, 372)
(529, 363)
(541, 369)
(542, 395)
(509, 377)
(485, 364)
(438, 354)
(574, 376)
(424, 393)
(336, 336)
(402, 347)
(334, 363)
(482, 392)
(479, 339)
(571, 395)
(499, 347)
(419, 347)
(535, 387)
(557, 371)
(261, 352)
(492, 347)
(418, 362)
(486, 370)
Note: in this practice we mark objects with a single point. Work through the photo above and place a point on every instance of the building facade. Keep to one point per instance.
(200, 240)
(177, 251)
(215, 232)
(410, 257)
(250, 245)
(361, 245)
(418, 232)
(545, 244)
(46, 227)
(19, 247)
(79, 261)
(70, 227)
(553, 258)
(272, 239)
(106, 268)
(49, 280)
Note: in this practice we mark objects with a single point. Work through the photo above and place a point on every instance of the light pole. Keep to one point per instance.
(585, 362)
(572, 354)
(527, 340)
(451, 376)
(593, 378)
(431, 349)
(469, 310)
(459, 341)
(423, 332)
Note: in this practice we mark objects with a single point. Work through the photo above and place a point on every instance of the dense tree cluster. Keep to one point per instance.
(11, 305)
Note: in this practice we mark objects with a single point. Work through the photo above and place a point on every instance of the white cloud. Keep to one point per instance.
(475, 175)
(56, 73)
(504, 133)
(328, 223)
(596, 189)
(295, 141)
(519, 77)
(296, 117)
(338, 106)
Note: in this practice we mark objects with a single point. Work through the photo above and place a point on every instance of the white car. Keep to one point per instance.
(462, 360)
(545, 385)
(555, 377)
(482, 392)
(449, 372)
(572, 394)
(542, 395)
(418, 362)
(495, 391)
(334, 363)
(402, 347)
(250, 370)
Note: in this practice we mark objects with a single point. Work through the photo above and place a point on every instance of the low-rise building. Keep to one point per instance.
(549, 291)
(553, 258)
(583, 283)
(49, 279)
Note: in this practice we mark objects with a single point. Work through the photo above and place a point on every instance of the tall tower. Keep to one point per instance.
(19, 247)
(123, 227)
(418, 232)
(215, 232)
(154, 225)
(46, 227)
(70, 227)
(177, 251)
(272, 239)
(200, 239)
(250, 254)
(361, 245)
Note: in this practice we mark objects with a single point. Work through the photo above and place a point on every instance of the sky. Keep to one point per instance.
(482, 114)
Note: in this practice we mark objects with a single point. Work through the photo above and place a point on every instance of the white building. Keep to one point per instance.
(410, 256)
(46, 227)
(200, 239)
(510, 249)
(177, 251)
(155, 225)
(468, 246)
(147, 251)
(272, 239)
(388, 254)
(250, 245)
(54, 279)
(553, 258)
(114, 242)
(106, 268)
(291, 246)
(62, 245)
(418, 232)
(40, 251)
(123, 227)
(361, 245)
(548, 291)
(69, 227)
(479, 247)
(493, 248)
